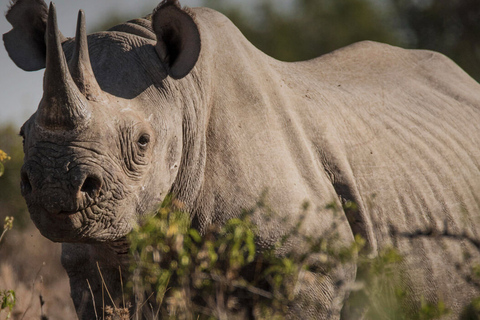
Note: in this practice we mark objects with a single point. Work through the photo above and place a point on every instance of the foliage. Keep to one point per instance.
(8, 220)
(221, 274)
(3, 157)
(7, 301)
(472, 311)
(173, 258)
(11, 201)
(382, 293)
(310, 28)
(7, 297)
(116, 313)
(8, 225)
(450, 27)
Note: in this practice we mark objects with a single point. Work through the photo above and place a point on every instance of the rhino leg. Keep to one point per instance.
(94, 272)
(322, 295)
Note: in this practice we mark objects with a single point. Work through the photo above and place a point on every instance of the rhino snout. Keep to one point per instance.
(61, 194)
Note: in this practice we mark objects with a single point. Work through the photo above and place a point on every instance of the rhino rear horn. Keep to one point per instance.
(178, 38)
(63, 107)
(80, 66)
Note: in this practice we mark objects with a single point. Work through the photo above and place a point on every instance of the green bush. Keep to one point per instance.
(184, 275)
(7, 301)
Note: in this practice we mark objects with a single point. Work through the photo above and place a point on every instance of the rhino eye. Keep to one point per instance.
(143, 140)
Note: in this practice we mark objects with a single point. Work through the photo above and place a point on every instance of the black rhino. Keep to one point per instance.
(180, 102)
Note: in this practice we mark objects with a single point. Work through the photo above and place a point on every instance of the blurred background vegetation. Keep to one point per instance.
(11, 201)
(308, 28)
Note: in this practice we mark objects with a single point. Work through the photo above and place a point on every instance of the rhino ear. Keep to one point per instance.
(178, 38)
(25, 43)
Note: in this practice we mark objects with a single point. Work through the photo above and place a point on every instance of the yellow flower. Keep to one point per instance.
(8, 223)
(3, 156)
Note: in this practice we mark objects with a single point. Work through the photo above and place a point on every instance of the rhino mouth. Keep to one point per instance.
(85, 205)
(91, 224)
(88, 211)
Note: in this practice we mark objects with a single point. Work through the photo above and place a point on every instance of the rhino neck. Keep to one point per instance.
(222, 85)
(194, 99)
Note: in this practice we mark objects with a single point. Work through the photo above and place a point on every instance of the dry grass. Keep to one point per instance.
(30, 265)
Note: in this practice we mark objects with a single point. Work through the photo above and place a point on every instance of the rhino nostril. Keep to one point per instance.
(92, 186)
(25, 185)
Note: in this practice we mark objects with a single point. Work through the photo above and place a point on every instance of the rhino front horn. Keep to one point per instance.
(63, 106)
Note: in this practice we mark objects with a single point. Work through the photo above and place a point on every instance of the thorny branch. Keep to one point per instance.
(432, 233)
(446, 233)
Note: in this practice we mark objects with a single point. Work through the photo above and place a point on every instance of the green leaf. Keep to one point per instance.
(7, 299)
(2, 169)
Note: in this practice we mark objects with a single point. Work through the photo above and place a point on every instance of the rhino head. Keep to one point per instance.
(105, 144)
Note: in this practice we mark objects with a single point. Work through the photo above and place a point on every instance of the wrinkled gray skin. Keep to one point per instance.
(191, 107)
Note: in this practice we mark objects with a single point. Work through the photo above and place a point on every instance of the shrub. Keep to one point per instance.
(7, 301)
(184, 275)
(7, 297)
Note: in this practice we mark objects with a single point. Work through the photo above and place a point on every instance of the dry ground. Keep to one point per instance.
(30, 265)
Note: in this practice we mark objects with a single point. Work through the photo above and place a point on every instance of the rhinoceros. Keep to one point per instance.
(181, 103)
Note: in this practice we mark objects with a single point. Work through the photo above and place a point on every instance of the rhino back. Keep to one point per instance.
(403, 142)
(405, 123)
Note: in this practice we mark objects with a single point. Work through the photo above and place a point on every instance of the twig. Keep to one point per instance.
(93, 299)
(3, 233)
(435, 233)
(106, 288)
(7, 226)
(432, 233)
(33, 290)
(237, 284)
(141, 306)
(121, 283)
